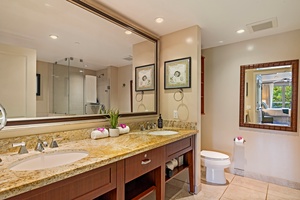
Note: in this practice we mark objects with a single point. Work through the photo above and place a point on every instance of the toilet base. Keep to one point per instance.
(216, 176)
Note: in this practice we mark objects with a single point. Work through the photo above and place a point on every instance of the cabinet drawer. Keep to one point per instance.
(142, 163)
(88, 185)
(178, 148)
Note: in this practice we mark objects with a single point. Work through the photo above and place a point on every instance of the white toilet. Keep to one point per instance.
(215, 163)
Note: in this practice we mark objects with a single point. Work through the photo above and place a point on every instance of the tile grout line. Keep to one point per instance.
(267, 192)
(227, 187)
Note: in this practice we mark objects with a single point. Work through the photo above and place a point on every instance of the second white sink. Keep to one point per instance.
(48, 160)
(163, 132)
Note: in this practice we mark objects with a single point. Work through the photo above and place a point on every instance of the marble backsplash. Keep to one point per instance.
(79, 134)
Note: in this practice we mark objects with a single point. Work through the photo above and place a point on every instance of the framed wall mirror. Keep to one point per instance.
(269, 95)
(85, 56)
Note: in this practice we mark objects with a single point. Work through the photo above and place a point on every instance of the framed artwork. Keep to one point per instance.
(178, 73)
(144, 78)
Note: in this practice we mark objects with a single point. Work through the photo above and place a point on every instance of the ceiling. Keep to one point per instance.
(218, 19)
(83, 35)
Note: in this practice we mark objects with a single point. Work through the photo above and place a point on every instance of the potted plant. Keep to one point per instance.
(113, 119)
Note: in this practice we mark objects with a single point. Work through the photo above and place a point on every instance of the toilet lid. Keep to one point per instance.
(214, 155)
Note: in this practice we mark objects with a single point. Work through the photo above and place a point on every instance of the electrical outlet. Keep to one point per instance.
(175, 114)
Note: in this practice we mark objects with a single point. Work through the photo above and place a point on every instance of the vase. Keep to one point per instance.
(114, 132)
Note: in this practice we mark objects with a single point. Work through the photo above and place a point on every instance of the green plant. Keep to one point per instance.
(113, 117)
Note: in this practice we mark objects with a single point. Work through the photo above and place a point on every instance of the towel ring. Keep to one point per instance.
(3, 119)
(180, 91)
(142, 96)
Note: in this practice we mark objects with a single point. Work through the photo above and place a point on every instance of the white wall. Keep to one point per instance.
(112, 73)
(18, 81)
(125, 76)
(43, 101)
(143, 53)
(181, 44)
(269, 155)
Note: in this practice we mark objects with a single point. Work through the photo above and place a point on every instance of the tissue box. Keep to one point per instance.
(180, 160)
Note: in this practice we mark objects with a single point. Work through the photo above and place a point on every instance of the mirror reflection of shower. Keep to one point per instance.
(76, 89)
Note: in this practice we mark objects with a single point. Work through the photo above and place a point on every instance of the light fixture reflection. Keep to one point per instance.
(159, 20)
(54, 37)
(240, 31)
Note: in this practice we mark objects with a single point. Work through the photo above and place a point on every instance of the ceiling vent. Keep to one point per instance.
(262, 25)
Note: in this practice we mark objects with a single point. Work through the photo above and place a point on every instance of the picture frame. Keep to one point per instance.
(145, 78)
(177, 73)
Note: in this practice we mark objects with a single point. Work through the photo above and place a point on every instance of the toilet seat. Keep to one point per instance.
(212, 155)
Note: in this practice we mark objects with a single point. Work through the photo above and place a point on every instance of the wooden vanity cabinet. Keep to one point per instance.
(131, 178)
(185, 148)
(88, 185)
(144, 173)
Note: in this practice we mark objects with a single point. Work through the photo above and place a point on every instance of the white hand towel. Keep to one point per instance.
(124, 130)
(95, 134)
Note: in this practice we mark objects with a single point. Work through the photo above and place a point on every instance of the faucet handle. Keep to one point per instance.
(39, 146)
(22, 146)
(148, 126)
(153, 125)
(53, 143)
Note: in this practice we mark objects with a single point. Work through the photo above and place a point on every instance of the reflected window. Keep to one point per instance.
(282, 96)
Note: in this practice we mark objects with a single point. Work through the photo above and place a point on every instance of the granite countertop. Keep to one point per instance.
(101, 152)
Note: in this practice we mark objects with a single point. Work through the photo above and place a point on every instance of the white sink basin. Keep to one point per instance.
(163, 132)
(48, 160)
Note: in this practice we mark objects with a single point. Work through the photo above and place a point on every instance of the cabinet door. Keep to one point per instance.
(140, 164)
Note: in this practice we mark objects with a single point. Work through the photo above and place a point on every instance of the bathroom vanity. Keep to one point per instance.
(127, 167)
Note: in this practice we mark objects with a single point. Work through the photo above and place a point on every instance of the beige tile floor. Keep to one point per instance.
(238, 188)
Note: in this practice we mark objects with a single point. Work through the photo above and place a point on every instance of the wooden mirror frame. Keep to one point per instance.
(295, 71)
(105, 13)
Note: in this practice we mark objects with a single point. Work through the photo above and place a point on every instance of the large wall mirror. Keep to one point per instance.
(68, 60)
(269, 95)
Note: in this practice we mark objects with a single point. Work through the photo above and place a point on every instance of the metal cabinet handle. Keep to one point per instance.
(146, 161)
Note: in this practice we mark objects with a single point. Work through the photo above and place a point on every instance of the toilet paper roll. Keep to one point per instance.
(174, 162)
(170, 165)
(96, 134)
(239, 141)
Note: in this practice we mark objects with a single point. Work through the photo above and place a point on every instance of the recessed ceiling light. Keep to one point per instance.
(159, 20)
(54, 37)
(240, 31)
(221, 41)
(128, 32)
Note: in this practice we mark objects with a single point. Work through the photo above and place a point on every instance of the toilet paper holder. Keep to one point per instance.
(239, 139)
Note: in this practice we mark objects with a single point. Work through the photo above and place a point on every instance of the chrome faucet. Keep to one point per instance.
(148, 127)
(22, 146)
(40, 145)
(53, 143)
(142, 128)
